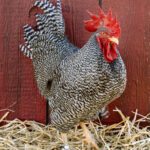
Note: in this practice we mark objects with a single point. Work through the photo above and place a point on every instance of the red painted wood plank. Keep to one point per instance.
(75, 13)
(134, 48)
(17, 83)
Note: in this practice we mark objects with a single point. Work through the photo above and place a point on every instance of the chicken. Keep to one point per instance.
(78, 83)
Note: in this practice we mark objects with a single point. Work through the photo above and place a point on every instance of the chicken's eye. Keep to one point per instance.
(103, 33)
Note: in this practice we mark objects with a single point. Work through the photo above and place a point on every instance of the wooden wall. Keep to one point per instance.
(18, 90)
(17, 86)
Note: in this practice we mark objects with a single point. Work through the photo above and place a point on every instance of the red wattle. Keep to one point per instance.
(109, 49)
(109, 52)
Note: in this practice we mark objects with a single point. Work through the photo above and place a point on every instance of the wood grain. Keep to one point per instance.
(75, 13)
(17, 85)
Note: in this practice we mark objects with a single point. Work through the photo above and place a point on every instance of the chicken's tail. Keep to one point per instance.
(50, 26)
(51, 21)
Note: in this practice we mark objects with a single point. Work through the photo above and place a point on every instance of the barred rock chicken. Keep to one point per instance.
(77, 82)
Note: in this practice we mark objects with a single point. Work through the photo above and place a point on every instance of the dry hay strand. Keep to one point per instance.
(31, 135)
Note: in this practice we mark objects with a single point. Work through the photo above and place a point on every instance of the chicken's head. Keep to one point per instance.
(107, 33)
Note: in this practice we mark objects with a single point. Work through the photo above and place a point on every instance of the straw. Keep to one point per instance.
(31, 135)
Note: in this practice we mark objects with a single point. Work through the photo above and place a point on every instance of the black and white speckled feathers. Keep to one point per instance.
(77, 82)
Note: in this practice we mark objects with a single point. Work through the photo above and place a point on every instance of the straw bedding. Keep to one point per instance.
(31, 135)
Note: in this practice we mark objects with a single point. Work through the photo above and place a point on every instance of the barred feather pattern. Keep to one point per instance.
(29, 37)
(51, 21)
(50, 27)
(26, 51)
(77, 82)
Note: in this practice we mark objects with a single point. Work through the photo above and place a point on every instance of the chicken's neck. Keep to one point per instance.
(106, 48)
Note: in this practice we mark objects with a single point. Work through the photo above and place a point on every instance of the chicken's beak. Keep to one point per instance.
(114, 40)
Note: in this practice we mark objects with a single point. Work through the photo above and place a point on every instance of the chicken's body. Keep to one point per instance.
(77, 82)
(84, 83)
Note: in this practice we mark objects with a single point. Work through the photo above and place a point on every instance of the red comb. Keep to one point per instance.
(103, 21)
